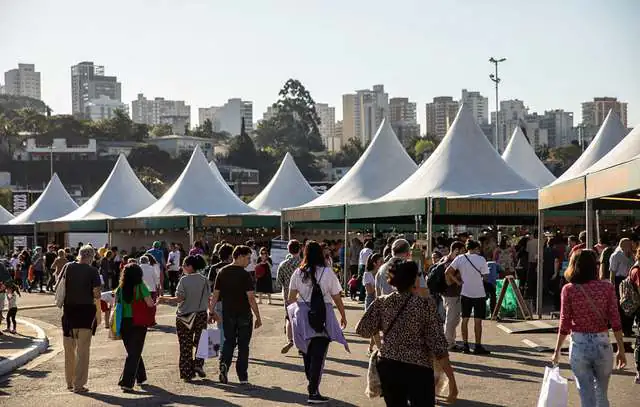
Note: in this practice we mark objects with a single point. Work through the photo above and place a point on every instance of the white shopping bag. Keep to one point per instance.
(555, 389)
(209, 344)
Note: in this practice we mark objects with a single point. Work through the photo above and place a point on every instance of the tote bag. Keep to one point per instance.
(209, 344)
(555, 389)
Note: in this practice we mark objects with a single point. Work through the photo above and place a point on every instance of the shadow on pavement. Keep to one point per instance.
(469, 403)
(495, 372)
(167, 329)
(157, 397)
(364, 364)
(297, 368)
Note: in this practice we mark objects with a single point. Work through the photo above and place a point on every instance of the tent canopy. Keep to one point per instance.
(287, 188)
(198, 191)
(5, 215)
(383, 166)
(523, 159)
(464, 164)
(121, 195)
(53, 203)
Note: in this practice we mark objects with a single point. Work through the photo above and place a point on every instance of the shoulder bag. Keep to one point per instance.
(188, 319)
(61, 286)
(141, 313)
(374, 385)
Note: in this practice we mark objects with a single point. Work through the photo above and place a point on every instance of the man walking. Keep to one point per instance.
(469, 270)
(235, 285)
(158, 254)
(173, 270)
(82, 291)
(400, 251)
(285, 271)
(620, 263)
(451, 298)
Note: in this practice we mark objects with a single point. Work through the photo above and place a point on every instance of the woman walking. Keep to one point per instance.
(369, 280)
(313, 342)
(264, 285)
(588, 306)
(192, 298)
(132, 288)
(412, 337)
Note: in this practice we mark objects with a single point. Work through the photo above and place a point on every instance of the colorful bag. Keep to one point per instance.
(115, 321)
(31, 275)
(629, 297)
(141, 313)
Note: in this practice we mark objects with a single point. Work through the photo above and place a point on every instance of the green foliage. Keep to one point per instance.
(152, 180)
(422, 148)
(150, 157)
(242, 151)
(160, 130)
(348, 155)
(15, 103)
(542, 151)
(564, 157)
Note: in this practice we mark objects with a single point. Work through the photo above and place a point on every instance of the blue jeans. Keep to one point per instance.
(218, 310)
(591, 358)
(237, 331)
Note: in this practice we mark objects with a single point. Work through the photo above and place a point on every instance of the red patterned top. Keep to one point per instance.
(577, 315)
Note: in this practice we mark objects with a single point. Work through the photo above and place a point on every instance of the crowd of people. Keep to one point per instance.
(412, 304)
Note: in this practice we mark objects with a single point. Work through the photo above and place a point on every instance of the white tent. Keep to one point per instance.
(627, 149)
(5, 215)
(121, 195)
(464, 164)
(610, 134)
(382, 167)
(287, 188)
(198, 191)
(523, 159)
(53, 203)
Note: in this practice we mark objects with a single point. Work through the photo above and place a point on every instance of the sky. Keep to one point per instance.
(559, 53)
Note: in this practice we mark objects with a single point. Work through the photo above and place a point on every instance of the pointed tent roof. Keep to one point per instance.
(198, 191)
(625, 151)
(464, 164)
(610, 134)
(288, 188)
(523, 159)
(382, 167)
(5, 215)
(53, 203)
(121, 195)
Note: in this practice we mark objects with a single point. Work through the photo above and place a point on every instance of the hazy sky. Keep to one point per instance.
(560, 53)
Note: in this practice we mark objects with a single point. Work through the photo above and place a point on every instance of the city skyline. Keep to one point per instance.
(562, 78)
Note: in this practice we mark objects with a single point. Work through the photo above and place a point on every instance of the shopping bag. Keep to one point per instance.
(115, 320)
(209, 344)
(555, 389)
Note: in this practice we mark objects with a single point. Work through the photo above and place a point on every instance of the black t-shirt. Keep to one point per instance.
(233, 282)
(213, 271)
(49, 258)
(81, 279)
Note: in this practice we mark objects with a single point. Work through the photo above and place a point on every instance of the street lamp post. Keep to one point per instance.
(51, 160)
(496, 79)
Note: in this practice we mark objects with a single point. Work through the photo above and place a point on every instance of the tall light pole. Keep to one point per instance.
(496, 79)
(51, 160)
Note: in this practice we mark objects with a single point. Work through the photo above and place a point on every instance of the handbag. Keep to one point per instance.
(209, 344)
(555, 389)
(374, 385)
(61, 286)
(188, 319)
(142, 314)
(115, 319)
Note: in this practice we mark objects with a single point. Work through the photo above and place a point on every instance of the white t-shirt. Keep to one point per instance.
(367, 278)
(364, 256)
(327, 279)
(149, 277)
(174, 260)
(532, 250)
(254, 260)
(472, 286)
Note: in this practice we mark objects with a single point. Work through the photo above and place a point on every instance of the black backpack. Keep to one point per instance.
(436, 280)
(317, 310)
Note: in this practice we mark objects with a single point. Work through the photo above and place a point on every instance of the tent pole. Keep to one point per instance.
(109, 233)
(281, 227)
(192, 237)
(35, 234)
(539, 276)
(429, 226)
(345, 266)
(289, 230)
(589, 222)
(598, 226)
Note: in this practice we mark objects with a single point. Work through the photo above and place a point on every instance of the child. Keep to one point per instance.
(106, 302)
(12, 299)
(353, 286)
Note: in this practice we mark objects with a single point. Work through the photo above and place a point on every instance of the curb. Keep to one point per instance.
(31, 307)
(40, 345)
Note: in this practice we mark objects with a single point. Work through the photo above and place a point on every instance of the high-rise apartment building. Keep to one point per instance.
(478, 104)
(24, 81)
(559, 126)
(228, 117)
(594, 112)
(440, 115)
(88, 82)
(327, 128)
(403, 118)
(103, 108)
(512, 114)
(362, 113)
(175, 113)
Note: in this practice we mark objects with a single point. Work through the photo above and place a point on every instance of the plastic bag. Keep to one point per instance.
(374, 386)
(509, 306)
(441, 380)
(555, 389)
(209, 344)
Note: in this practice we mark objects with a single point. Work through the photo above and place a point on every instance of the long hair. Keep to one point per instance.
(582, 267)
(130, 277)
(371, 261)
(313, 257)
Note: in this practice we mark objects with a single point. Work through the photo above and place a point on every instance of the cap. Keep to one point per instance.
(156, 244)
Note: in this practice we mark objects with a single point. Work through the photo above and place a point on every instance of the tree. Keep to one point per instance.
(152, 180)
(423, 148)
(542, 151)
(161, 130)
(242, 150)
(564, 156)
(348, 155)
(149, 156)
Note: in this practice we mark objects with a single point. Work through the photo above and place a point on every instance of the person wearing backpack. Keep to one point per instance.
(634, 279)
(450, 293)
(620, 263)
(313, 290)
